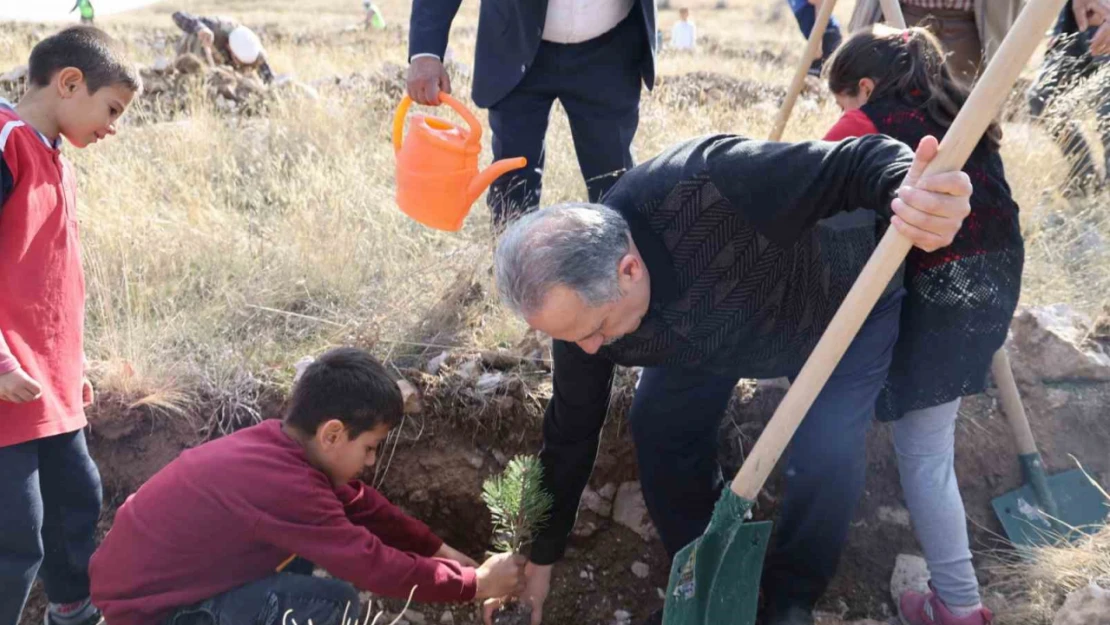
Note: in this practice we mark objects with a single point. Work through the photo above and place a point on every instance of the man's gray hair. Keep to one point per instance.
(574, 245)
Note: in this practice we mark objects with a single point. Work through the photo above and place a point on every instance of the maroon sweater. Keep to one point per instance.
(236, 509)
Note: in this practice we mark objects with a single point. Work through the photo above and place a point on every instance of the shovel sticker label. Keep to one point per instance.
(684, 586)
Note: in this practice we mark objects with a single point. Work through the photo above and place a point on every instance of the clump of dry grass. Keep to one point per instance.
(222, 248)
(1034, 583)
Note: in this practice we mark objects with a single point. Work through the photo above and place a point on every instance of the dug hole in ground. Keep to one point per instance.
(474, 411)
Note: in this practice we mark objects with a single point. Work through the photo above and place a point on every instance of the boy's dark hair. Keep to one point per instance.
(98, 55)
(907, 65)
(347, 384)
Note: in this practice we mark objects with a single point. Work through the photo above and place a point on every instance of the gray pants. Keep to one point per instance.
(924, 441)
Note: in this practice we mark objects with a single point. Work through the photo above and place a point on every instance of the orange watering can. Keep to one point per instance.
(437, 166)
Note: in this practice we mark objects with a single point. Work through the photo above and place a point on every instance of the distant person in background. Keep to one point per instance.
(221, 41)
(684, 34)
(805, 12)
(87, 13)
(1079, 47)
(970, 30)
(374, 16)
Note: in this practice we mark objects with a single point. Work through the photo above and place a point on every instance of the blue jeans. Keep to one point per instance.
(321, 601)
(806, 15)
(675, 418)
(50, 500)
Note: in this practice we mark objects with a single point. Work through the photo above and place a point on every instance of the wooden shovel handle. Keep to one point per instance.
(958, 143)
(813, 48)
(892, 13)
(1010, 399)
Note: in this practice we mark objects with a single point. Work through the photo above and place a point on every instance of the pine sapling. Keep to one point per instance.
(519, 507)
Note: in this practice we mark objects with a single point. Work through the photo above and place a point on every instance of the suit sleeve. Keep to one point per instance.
(430, 25)
(571, 433)
(783, 189)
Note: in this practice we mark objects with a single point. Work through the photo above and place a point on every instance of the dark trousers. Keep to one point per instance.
(307, 599)
(675, 418)
(1067, 64)
(598, 84)
(806, 16)
(50, 500)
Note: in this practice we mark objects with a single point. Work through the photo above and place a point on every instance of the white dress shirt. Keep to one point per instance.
(684, 35)
(575, 21)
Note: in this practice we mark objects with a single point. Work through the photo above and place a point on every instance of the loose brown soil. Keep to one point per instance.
(463, 436)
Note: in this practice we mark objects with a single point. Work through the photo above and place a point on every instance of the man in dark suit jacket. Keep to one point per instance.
(592, 56)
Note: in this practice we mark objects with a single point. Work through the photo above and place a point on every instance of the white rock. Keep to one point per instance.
(475, 460)
(161, 64)
(641, 570)
(16, 74)
(435, 363)
(500, 457)
(622, 617)
(608, 491)
(894, 515)
(447, 618)
(410, 396)
(1086, 606)
(595, 503)
(414, 617)
(630, 511)
(584, 574)
(910, 573)
(300, 366)
(489, 382)
(1048, 343)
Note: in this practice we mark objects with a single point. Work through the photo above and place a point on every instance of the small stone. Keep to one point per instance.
(584, 529)
(410, 396)
(469, 369)
(894, 515)
(1086, 606)
(475, 460)
(447, 618)
(641, 570)
(161, 64)
(419, 496)
(630, 511)
(660, 593)
(414, 617)
(910, 573)
(489, 382)
(608, 491)
(300, 366)
(500, 457)
(594, 502)
(436, 363)
(584, 574)
(622, 616)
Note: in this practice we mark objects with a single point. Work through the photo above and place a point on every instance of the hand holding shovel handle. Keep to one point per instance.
(813, 50)
(959, 141)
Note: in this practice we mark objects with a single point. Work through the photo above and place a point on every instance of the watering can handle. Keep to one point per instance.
(473, 138)
(959, 141)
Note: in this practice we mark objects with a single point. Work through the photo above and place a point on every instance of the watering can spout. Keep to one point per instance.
(484, 179)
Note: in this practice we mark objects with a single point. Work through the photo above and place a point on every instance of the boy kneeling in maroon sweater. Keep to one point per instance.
(209, 539)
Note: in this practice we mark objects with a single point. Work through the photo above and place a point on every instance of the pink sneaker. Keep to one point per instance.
(917, 608)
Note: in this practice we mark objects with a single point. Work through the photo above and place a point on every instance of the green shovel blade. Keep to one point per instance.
(715, 579)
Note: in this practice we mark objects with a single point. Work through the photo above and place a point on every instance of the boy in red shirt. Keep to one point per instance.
(80, 83)
(215, 535)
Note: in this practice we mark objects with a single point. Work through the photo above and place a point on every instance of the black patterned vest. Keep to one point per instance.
(960, 299)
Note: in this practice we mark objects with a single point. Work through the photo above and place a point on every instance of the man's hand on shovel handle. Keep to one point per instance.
(929, 210)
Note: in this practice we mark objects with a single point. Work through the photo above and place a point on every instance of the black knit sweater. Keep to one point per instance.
(742, 282)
